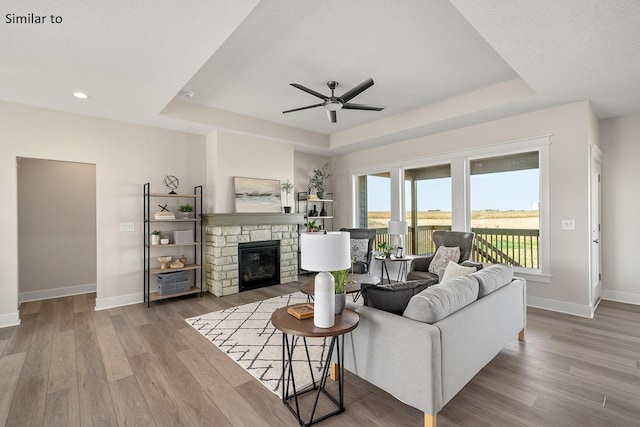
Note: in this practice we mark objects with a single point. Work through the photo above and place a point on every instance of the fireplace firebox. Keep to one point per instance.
(258, 264)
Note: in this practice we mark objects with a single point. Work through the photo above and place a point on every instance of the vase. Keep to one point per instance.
(341, 300)
(287, 209)
(320, 194)
(323, 211)
(155, 239)
(314, 212)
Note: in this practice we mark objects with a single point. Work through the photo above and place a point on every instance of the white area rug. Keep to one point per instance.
(246, 335)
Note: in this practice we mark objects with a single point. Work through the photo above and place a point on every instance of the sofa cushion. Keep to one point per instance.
(423, 275)
(454, 270)
(438, 301)
(441, 258)
(478, 265)
(493, 277)
(392, 297)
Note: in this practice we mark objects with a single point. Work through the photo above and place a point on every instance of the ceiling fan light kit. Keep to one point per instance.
(334, 103)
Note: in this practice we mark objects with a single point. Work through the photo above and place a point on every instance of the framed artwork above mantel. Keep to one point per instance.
(257, 195)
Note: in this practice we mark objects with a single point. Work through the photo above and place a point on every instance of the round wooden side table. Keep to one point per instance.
(291, 326)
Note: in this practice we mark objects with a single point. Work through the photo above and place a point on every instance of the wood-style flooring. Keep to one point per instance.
(68, 365)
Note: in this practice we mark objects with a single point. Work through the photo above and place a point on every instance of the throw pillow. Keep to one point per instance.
(439, 301)
(359, 250)
(443, 255)
(455, 270)
(392, 297)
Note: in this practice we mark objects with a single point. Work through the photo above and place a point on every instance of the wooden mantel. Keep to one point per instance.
(251, 218)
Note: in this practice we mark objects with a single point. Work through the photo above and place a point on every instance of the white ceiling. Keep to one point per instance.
(436, 64)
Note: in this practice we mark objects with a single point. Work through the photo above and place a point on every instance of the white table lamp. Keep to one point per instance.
(324, 252)
(397, 229)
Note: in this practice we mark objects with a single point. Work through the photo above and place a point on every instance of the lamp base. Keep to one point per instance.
(324, 300)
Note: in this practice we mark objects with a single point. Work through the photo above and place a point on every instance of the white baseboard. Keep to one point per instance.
(618, 296)
(119, 301)
(56, 293)
(9, 319)
(560, 306)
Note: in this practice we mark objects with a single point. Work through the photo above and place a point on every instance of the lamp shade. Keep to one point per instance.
(397, 227)
(325, 252)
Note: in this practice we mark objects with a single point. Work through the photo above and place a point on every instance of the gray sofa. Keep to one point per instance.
(426, 364)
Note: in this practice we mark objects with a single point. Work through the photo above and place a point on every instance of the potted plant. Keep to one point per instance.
(311, 226)
(155, 237)
(385, 249)
(318, 180)
(287, 187)
(340, 278)
(186, 210)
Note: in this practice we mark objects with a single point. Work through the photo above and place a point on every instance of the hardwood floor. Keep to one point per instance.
(68, 365)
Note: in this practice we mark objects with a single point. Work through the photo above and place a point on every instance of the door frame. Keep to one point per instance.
(595, 229)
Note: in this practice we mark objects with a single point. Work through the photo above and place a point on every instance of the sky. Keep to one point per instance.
(504, 191)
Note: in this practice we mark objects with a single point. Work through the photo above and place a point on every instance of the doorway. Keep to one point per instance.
(595, 228)
(56, 228)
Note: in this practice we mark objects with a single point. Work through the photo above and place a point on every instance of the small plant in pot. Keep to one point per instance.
(385, 249)
(287, 187)
(311, 226)
(186, 211)
(318, 180)
(340, 278)
(155, 237)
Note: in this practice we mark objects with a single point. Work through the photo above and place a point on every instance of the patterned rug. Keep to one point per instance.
(246, 335)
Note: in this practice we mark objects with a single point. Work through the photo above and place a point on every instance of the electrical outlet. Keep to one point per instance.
(127, 227)
(568, 224)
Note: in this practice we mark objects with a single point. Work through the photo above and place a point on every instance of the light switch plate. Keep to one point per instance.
(568, 224)
(127, 226)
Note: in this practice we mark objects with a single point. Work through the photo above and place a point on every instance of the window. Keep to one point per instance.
(505, 195)
(430, 187)
(374, 200)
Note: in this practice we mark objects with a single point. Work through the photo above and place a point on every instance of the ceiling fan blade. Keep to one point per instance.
(351, 106)
(309, 91)
(350, 94)
(303, 108)
(333, 117)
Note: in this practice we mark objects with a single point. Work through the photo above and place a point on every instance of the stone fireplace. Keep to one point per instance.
(224, 233)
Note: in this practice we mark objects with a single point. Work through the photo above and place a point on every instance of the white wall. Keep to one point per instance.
(232, 154)
(620, 142)
(125, 155)
(568, 287)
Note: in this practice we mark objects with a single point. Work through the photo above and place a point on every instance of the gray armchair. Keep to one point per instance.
(419, 268)
(362, 266)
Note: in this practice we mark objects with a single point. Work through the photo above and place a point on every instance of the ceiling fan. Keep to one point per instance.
(334, 103)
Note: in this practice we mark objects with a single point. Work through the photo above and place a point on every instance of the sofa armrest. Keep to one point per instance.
(420, 263)
(387, 350)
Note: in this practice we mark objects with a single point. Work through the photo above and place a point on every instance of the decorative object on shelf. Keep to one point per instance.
(340, 278)
(397, 231)
(163, 261)
(164, 213)
(183, 260)
(155, 237)
(164, 241)
(385, 249)
(186, 211)
(287, 187)
(314, 211)
(318, 180)
(324, 252)
(311, 226)
(323, 211)
(172, 183)
(257, 195)
(399, 252)
(176, 264)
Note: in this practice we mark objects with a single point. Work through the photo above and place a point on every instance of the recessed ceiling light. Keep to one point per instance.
(81, 95)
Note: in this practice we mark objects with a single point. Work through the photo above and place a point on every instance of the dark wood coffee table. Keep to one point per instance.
(352, 287)
(289, 325)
